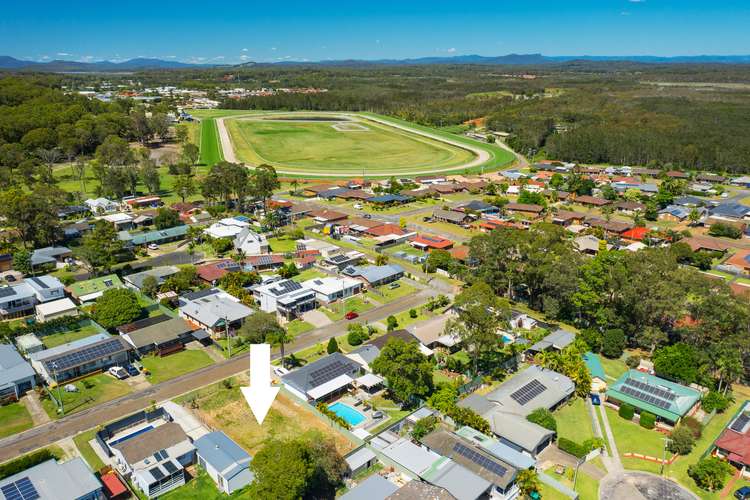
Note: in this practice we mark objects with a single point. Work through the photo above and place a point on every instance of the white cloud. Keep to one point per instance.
(244, 57)
(63, 54)
(273, 48)
(45, 57)
(637, 1)
(218, 58)
(244, 50)
(624, 13)
(170, 57)
(451, 50)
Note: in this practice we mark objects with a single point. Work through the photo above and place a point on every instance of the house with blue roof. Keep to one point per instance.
(388, 199)
(674, 213)
(375, 275)
(730, 211)
(224, 461)
(669, 401)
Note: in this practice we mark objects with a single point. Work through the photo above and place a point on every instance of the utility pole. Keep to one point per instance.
(59, 396)
(664, 455)
(575, 475)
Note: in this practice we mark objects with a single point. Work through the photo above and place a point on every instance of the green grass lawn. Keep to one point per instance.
(444, 229)
(586, 486)
(14, 418)
(236, 350)
(613, 367)
(316, 146)
(174, 365)
(309, 274)
(298, 326)
(88, 454)
(337, 311)
(574, 422)
(210, 146)
(201, 487)
(390, 408)
(101, 388)
(404, 318)
(387, 294)
(282, 245)
(631, 437)
(80, 332)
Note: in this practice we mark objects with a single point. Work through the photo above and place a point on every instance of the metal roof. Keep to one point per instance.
(224, 455)
(375, 487)
(54, 480)
(13, 367)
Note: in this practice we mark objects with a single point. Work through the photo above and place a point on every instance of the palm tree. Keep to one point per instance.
(239, 256)
(527, 481)
(280, 337)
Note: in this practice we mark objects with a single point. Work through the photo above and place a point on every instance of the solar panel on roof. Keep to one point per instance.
(22, 489)
(6, 291)
(660, 392)
(170, 467)
(39, 282)
(528, 392)
(86, 354)
(284, 287)
(740, 422)
(327, 373)
(479, 459)
(157, 473)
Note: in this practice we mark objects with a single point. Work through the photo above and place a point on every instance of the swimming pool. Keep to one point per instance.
(352, 416)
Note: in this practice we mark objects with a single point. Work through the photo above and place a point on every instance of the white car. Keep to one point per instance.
(153, 246)
(358, 206)
(118, 372)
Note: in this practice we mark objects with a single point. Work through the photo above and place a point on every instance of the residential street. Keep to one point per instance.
(69, 426)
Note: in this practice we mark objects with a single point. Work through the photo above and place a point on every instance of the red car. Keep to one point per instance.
(351, 315)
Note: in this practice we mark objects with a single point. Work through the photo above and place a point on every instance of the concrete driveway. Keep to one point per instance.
(316, 318)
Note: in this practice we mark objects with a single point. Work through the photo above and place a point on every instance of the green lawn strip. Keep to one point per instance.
(282, 245)
(101, 388)
(298, 326)
(404, 319)
(210, 149)
(601, 426)
(174, 365)
(390, 408)
(14, 418)
(201, 487)
(236, 350)
(574, 422)
(586, 486)
(613, 367)
(631, 437)
(385, 293)
(87, 452)
(309, 274)
(57, 339)
(337, 310)
(549, 493)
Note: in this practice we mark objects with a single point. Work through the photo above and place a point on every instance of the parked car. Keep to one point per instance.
(118, 372)
(742, 493)
(153, 246)
(351, 315)
(595, 400)
(393, 285)
(132, 370)
(358, 206)
(367, 216)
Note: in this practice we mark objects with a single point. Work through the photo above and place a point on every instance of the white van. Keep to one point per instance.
(118, 372)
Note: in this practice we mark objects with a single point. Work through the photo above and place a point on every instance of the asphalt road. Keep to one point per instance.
(71, 425)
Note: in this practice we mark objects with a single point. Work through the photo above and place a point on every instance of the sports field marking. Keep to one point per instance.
(350, 127)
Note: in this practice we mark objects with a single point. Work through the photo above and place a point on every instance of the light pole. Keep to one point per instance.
(664, 455)
(575, 475)
(59, 396)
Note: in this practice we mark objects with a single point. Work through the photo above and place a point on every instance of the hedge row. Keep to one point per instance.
(647, 420)
(579, 450)
(25, 462)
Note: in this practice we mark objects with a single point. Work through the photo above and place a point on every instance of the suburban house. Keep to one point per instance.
(342, 260)
(251, 243)
(155, 460)
(213, 310)
(506, 407)
(740, 260)
(432, 467)
(160, 274)
(287, 297)
(452, 216)
(667, 400)
(428, 242)
(416, 490)
(327, 216)
(263, 262)
(474, 458)
(522, 320)
(609, 226)
(86, 291)
(733, 444)
(629, 207)
(390, 199)
(329, 289)
(29, 343)
(478, 206)
(326, 249)
(588, 244)
(164, 337)
(592, 201)
(228, 227)
(212, 272)
(19, 300)
(707, 243)
(432, 334)
(555, 341)
(17, 377)
(374, 276)
(53, 480)
(713, 178)
(360, 460)
(50, 256)
(224, 461)
(366, 354)
(156, 237)
(526, 209)
(101, 205)
(635, 234)
(566, 217)
(120, 221)
(322, 379)
(375, 487)
(55, 309)
(80, 357)
(596, 370)
(143, 201)
(46, 288)
(494, 447)
(674, 213)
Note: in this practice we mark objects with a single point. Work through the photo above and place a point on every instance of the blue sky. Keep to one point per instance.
(234, 31)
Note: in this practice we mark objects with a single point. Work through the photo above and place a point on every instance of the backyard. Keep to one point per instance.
(80, 332)
(337, 310)
(174, 365)
(14, 418)
(222, 407)
(200, 487)
(92, 391)
(574, 422)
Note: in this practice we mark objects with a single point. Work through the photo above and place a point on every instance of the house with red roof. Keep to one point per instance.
(429, 242)
(213, 271)
(733, 443)
(635, 234)
(385, 230)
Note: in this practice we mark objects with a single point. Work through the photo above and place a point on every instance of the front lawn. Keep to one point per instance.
(282, 245)
(613, 368)
(404, 318)
(88, 453)
(337, 310)
(201, 487)
(14, 418)
(309, 274)
(298, 326)
(92, 391)
(174, 365)
(631, 437)
(574, 422)
(387, 294)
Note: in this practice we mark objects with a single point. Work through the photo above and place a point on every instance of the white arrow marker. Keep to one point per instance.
(260, 394)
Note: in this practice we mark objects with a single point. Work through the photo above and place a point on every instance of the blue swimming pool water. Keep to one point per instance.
(130, 436)
(352, 416)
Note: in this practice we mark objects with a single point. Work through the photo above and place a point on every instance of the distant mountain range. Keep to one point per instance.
(140, 64)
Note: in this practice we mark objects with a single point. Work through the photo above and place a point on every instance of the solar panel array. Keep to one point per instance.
(227, 265)
(528, 392)
(22, 489)
(646, 398)
(170, 467)
(740, 422)
(327, 373)
(265, 260)
(157, 473)
(479, 459)
(86, 354)
(660, 392)
(39, 282)
(284, 287)
(338, 258)
(161, 455)
(7, 291)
